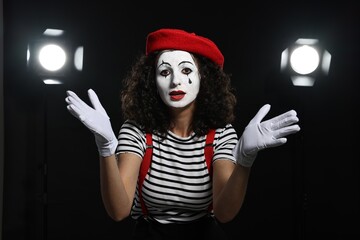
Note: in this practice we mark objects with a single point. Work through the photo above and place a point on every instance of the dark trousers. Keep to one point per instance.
(205, 228)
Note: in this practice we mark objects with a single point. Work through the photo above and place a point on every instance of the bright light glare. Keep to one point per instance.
(307, 41)
(325, 66)
(304, 59)
(78, 58)
(52, 57)
(52, 81)
(284, 59)
(27, 54)
(305, 81)
(53, 32)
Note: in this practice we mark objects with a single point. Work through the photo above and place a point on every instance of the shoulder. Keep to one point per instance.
(131, 127)
(227, 132)
(131, 131)
(225, 140)
(131, 138)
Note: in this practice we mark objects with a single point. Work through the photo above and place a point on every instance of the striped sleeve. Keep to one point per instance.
(226, 139)
(131, 139)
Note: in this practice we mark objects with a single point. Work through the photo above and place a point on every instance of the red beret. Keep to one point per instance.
(181, 40)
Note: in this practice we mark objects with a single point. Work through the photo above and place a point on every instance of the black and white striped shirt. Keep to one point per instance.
(177, 187)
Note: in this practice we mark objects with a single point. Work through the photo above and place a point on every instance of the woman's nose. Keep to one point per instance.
(176, 80)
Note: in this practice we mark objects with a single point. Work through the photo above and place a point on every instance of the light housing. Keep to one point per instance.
(53, 57)
(304, 61)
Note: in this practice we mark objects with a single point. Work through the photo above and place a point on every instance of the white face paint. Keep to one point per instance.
(177, 78)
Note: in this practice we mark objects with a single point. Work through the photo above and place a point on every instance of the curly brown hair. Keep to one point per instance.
(141, 103)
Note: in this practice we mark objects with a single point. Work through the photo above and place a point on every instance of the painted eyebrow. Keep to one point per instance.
(163, 63)
(166, 63)
(185, 62)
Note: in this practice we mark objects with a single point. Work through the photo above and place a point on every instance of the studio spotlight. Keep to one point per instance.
(53, 57)
(304, 61)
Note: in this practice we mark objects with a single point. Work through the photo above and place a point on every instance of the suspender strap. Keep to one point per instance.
(209, 152)
(145, 165)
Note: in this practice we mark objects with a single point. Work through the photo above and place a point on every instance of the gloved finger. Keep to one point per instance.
(79, 104)
(96, 102)
(75, 100)
(276, 142)
(76, 106)
(283, 120)
(260, 114)
(286, 131)
(67, 100)
(75, 112)
(71, 93)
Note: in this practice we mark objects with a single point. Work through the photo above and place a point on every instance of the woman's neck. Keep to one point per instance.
(182, 120)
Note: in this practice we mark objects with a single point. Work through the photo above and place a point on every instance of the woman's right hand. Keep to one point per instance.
(95, 119)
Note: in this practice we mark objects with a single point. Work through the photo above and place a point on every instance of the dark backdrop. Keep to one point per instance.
(307, 188)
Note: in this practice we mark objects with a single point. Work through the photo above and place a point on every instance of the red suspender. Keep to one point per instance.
(209, 151)
(145, 165)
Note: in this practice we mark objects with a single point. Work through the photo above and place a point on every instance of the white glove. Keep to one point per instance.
(260, 135)
(95, 119)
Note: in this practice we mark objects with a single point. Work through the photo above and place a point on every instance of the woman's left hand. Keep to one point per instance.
(260, 135)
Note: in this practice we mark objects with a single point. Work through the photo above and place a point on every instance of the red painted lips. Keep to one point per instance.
(177, 95)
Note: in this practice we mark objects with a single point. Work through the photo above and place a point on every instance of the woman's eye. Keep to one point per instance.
(186, 71)
(164, 73)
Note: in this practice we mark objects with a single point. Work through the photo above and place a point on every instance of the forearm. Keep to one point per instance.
(114, 195)
(231, 197)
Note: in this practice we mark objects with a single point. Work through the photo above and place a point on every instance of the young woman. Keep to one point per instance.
(179, 107)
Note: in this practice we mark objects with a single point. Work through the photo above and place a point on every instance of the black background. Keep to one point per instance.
(305, 189)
